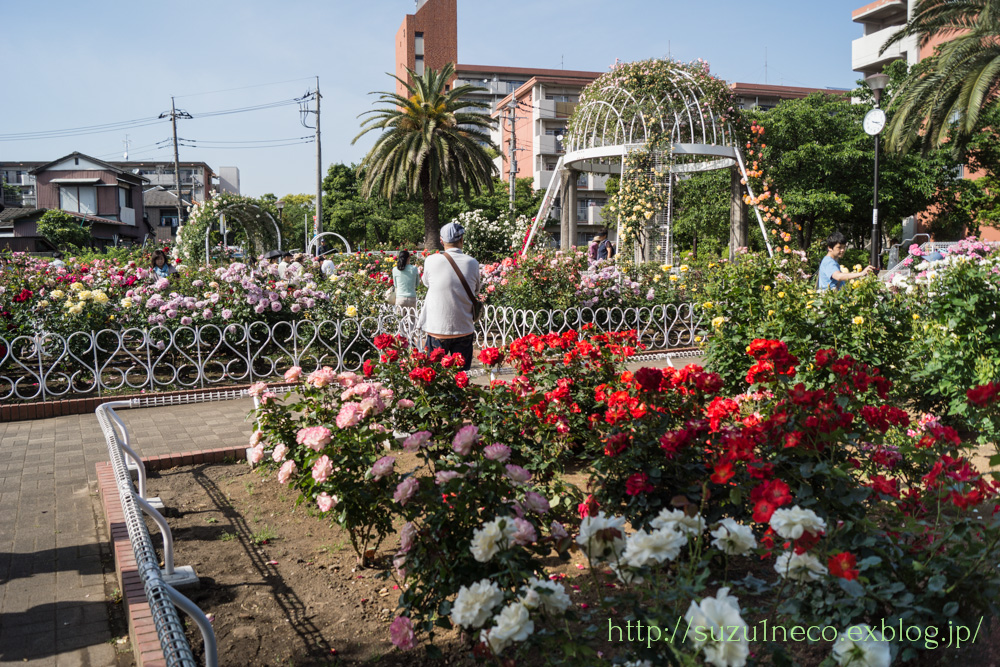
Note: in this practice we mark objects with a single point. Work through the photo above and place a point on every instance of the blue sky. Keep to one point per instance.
(76, 64)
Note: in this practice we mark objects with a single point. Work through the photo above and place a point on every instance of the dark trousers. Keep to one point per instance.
(461, 345)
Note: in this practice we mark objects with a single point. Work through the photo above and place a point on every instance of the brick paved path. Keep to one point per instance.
(52, 536)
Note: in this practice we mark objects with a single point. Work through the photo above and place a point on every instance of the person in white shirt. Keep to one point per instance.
(447, 314)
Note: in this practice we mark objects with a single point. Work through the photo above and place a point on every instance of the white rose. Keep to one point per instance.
(474, 604)
(602, 538)
(645, 548)
(713, 615)
(549, 595)
(854, 648)
(692, 526)
(733, 538)
(791, 523)
(513, 624)
(491, 537)
(799, 567)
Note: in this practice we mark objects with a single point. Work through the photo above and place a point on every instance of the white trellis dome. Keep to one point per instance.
(675, 115)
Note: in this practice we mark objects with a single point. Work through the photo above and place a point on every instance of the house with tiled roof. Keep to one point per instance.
(103, 196)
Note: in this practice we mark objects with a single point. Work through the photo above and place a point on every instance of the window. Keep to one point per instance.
(125, 197)
(561, 98)
(418, 65)
(78, 199)
(555, 131)
(418, 43)
(168, 219)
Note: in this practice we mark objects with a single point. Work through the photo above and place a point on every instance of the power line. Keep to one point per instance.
(293, 143)
(80, 131)
(258, 107)
(246, 141)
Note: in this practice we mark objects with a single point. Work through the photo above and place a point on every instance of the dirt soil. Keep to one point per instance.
(284, 587)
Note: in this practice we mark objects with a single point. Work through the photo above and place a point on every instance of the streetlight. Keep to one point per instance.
(873, 124)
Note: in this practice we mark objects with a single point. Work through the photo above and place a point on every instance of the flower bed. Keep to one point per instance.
(860, 520)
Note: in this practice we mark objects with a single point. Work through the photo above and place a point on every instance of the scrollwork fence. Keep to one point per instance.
(49, 366)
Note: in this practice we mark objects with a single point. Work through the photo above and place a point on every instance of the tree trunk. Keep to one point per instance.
(432, 225)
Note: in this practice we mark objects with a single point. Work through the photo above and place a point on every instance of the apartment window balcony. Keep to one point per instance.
(865, 50)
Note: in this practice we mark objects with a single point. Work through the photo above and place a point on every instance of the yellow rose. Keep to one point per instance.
(76, 287)
(707, 305)
(43, 303)
(126, 303)
(781, 295)
(352, 311)
(718, 322)
(665, 267)
(76, 310)
(858, 320)
(767, 288)
(684, 267)
(84, 295)
(915, 316)
(99, 297)
(697, 339)
(57, 294)
(770, 312)
(656, 278)
(674, 278)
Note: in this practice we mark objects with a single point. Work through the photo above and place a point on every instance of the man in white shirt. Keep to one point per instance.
(447, 314)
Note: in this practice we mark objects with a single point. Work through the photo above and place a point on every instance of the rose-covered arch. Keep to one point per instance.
(249, 222)
(648, 122)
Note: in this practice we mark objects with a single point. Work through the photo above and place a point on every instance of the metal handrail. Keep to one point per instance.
(169, 628)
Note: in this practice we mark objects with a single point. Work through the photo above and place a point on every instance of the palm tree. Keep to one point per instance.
(942, 98)
(432, 138)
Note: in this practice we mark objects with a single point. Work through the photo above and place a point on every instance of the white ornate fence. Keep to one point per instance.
(50, 366)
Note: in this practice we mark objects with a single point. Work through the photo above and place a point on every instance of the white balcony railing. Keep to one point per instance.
(865, 50)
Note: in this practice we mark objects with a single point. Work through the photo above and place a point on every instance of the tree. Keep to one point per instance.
(430, 140)
(820, 163)
(63, 230)
(944, 95)
(701, 211)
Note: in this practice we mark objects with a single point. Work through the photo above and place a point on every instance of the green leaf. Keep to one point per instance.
(951, 608)
(936, 583)
(852, 587)
(736, 495)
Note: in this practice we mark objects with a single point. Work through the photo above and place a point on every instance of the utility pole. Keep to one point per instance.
(512, 151)
(319, 168)
(174, 114)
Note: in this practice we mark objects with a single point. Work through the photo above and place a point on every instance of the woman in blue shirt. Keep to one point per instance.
(404, 279)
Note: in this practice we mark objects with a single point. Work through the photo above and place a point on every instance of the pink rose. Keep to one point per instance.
(401, 633)
(326, 502)
(416, 441)
(372, 405)
(406, 537)
(536, 502)
(256, 454)
(405, 491)
(558, 531)
(464, 439)
(321, 469)
(256, 438)
(314, 437)
(497, 452)
(517, 474)
(349, 415)
(383, 467)
(445, 476)
(348, 379)
(267, 397)
(404, 404)
(286, 471)
(524, 532)
(257, 388)
(398, 562)
(321, 377)
(293, 374)
(279, 453)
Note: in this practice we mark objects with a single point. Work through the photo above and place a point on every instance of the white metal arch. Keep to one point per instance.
(615, 123)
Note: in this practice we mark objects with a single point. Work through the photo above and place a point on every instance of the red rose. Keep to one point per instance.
(423, 375)
(616, 444)
(807, 541)
(368, 368)
(588, 507)
(723, 472)
(462, 380)
(490, 356)
(884, 486)
(649, 378)
(638, 483)
(842, 565)
(984, 394)
(383, 341)
(437, 353)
